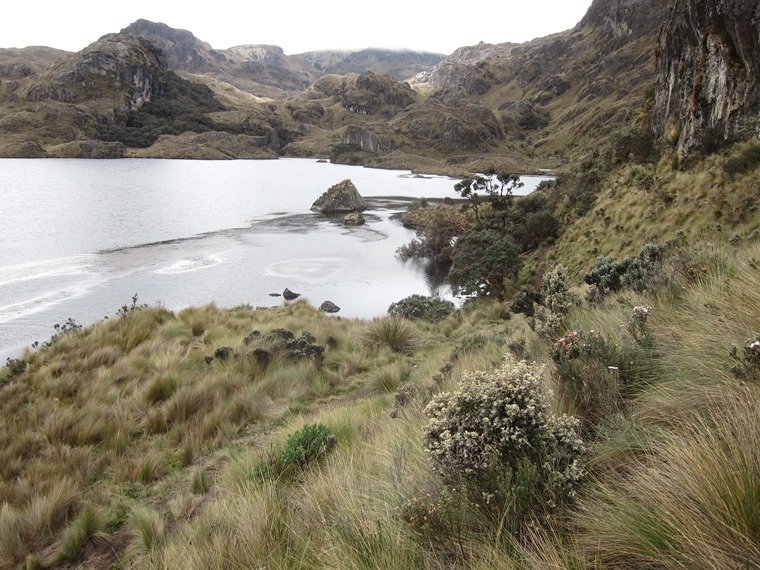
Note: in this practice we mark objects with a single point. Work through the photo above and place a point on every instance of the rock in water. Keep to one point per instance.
(354, 219)
(290, 295)
(329, 307)
(339, 199)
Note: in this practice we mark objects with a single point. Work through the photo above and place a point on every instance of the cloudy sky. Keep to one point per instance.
(296, 25)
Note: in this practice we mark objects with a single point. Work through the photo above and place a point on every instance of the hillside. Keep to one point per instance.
(534, 105)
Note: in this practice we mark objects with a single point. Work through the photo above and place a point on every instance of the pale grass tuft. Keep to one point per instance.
(199, 482)
(390, 377)
(397, 334)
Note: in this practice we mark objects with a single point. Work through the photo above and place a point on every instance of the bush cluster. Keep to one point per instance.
(640, 273)
(420, 307)
(596, 374)
(497, 427)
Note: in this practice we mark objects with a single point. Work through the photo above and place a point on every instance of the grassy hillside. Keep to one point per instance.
(287, 438)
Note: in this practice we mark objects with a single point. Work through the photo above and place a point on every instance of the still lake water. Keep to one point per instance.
(79, 238)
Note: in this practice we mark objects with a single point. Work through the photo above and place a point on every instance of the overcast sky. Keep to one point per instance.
(296, 25)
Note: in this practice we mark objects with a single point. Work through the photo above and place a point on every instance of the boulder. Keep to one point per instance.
(339, 199)
(290, 295)
(329, 307)
(354, 219)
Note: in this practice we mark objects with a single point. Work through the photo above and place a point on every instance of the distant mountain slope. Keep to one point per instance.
(266, 70)
(544, 103)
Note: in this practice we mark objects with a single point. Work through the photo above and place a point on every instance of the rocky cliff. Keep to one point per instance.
(707, 84)
(117, 65)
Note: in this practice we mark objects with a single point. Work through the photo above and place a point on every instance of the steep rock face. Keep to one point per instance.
(117, 65)
(181, 48)
(708, 71)
(625, 20)
(366, 140)
(473, 69)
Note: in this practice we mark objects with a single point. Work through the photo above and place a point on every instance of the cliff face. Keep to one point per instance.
(707, 72)
(116, 66)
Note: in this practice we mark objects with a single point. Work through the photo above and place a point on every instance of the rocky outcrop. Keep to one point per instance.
(474, 69)
(454, 123)
(366, 94)
(365, 140)
(707, 86)
(116, 66)
(181, 48)
(624, 20)
(339, 199)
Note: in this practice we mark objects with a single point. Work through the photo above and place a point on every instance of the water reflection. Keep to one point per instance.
(435, 273)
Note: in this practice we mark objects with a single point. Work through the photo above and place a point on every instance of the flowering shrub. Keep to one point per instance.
(638, 327)
(596, 373)
(497, 423)
(557, 300)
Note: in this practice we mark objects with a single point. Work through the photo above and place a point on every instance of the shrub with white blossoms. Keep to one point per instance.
(498, 421)
(557, 300)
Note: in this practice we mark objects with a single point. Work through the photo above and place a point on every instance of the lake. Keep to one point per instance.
(81, 237)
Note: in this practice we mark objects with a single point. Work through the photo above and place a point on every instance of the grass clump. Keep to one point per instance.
(88, 525)
(397, 334)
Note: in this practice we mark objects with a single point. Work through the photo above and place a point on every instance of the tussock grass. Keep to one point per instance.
(148, 530)
(88, 525)
(395, 333)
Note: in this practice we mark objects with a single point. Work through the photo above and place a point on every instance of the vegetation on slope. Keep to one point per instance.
(286, 438)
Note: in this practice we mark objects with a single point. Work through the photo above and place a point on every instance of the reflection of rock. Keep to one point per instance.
(290, 295)
(354, 219)
(341, 198)
(329, 307)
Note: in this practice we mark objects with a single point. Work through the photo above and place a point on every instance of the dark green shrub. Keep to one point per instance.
(524, 302)
(641, 273)
(307, 445)
(421, 307)
(483, 259)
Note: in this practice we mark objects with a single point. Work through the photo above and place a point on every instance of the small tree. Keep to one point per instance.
(482, 259)
(498, 188)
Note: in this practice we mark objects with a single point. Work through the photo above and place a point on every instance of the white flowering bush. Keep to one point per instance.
(557, 300)
(494, 426)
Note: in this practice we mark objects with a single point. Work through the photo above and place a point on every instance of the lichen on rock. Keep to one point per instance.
(341, 198)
